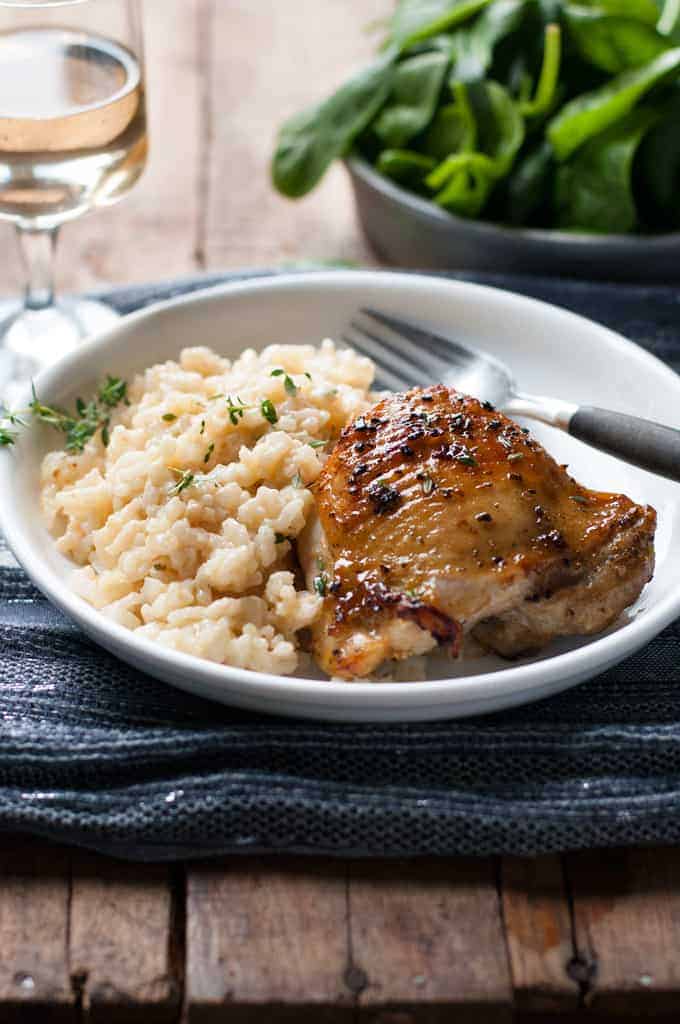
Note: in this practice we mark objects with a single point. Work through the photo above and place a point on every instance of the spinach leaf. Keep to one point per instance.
(612, 42)
(465, 180)
(310, 141)
(646, 11)
(416, 86)
(657, 170)
(453, 129)
(417, 20)
(593, 190)
(473, 45)
(591, 113)
(547, 80)
(669, 22)
(528, 192)
(405, 166)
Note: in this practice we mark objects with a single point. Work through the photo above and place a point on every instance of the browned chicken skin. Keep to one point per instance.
(438, 516)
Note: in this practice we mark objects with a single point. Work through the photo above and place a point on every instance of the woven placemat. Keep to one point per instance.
(93, 752)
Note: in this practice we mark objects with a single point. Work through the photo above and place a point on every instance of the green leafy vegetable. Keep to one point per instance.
(547, 82)
(417, 20)
(474, 44)
(416, 86)
(658, 170)
(593, 189)
(519, 111)
(310, 141)
(610, 41)
(591, 113)
(465, 180)
(405, 166)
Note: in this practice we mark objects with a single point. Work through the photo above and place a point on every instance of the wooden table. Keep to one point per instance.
(85, 938)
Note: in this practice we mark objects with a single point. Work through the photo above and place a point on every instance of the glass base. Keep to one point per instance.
(30, 340)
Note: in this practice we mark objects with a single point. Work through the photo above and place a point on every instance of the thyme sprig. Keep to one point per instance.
(89, 417)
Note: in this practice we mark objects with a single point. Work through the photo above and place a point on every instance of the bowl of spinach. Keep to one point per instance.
(539, 135)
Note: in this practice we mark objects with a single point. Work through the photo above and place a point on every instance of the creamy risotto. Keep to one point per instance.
(182, 525)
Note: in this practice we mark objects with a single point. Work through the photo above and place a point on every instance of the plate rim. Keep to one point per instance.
(407, 696)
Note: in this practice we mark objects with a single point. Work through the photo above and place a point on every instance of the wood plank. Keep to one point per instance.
(426, 942)
(268, 935)
(121, 955)
(152, 232)
(538, 933)
(626, 906)
(308, 53)
(34, 970)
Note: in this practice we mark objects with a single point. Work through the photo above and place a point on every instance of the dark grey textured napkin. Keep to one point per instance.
(93, 752)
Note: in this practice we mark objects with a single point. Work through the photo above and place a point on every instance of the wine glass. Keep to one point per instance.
(72, 137)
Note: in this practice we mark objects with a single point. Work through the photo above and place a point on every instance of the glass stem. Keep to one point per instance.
(38, 249)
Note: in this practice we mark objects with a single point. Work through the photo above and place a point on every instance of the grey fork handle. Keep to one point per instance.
(644, 443)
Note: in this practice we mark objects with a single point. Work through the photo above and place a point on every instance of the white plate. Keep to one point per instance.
(549, 350)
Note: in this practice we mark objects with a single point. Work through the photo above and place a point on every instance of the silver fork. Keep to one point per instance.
(407, 355)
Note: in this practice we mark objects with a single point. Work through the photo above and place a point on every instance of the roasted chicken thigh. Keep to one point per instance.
(438, 517)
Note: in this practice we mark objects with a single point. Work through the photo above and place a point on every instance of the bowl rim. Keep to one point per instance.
(359, 167)
(316, 696)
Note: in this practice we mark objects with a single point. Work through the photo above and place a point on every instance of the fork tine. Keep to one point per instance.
(445, 348)
(424, 364)
(386, 374)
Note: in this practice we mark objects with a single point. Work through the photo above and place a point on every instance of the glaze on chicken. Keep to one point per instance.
(438, 517)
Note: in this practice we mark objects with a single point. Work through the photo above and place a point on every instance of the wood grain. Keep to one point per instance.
(627, 925)
(427, 942)
(310, 49)
(538, 933)
(121, 956)
(270, 934)
(34, 969)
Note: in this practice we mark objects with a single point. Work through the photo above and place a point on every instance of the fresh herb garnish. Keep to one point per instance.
(210, 450)
(268, 410)
(321, 584)
(169, 417)
(202, 430)
(279, 538)
(288, 382)
(515, 456)
(89, 418)
(317, 444)
(8, 420)
(235, 409)
(185, 478)
(466, 459)
(297, 480)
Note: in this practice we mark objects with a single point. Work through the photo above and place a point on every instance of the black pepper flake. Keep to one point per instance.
(484, 517)
(494, 425)
(525, 430)
(360, 446)
(488, 406)
(553, 539)
(361, 424)
(385, 498)
(427, 398)
(406, 449)
(415, 435)
(497, 560)
(515, 476)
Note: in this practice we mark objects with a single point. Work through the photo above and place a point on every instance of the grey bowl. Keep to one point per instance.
(409, 231)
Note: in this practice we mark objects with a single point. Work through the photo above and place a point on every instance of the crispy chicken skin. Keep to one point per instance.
(438, 516)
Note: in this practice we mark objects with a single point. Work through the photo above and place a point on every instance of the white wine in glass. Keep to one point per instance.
(72, 137)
